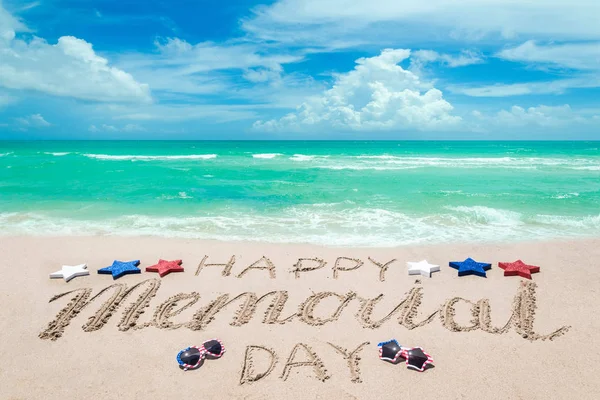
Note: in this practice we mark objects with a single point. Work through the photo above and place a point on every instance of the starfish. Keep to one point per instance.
(69, 272)
(470, 267)
(518, 268)
(164, 267)
(422, 267)
(120, 268)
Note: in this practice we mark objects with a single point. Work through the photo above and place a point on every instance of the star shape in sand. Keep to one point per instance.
(422, 267)
(120, 268)
(68, 272)
(164, 267)
(470, 267)
(518, 268)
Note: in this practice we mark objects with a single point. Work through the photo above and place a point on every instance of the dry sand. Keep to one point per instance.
(326, 329)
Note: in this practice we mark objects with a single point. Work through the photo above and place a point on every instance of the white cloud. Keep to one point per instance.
(169, 113)
(29, 6)
(322, 23)
(68, 68)
(559, 86)
(9, 24)
(263, 74)
(133, 128)
(378, 94)
(33, 121)
(204, 68)
(584, 56)
(112, 128)
(102, 128)
(463, 59)
(540, 116)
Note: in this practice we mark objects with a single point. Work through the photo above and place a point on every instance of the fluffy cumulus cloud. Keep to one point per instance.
(69, 68)
(32, 121)
(378, 94)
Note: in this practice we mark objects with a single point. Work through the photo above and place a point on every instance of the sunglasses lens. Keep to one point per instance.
(191, 356)
(416, 358)
(213, 347)
(389, 350)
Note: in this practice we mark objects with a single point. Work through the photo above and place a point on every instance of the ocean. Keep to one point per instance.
(337, 193)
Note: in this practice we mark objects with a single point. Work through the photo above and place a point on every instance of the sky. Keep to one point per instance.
(300, 69)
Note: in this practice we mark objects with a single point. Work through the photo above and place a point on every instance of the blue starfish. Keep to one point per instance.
(120, 268)
(470, 267)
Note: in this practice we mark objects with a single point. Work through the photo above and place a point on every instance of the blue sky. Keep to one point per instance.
(300, 69)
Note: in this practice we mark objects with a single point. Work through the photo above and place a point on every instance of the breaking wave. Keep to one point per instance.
(336, 224)
(266, 155)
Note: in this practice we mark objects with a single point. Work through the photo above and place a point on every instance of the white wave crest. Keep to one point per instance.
(57, 154)
(305, 157)
(487, 215)
(266, 155)
(151, 158)
(566, 195)
(381, 157)
(391, 162)
(364, 167)
(588, 168)
(584, 223)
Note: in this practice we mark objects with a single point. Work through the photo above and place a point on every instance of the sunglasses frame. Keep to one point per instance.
(203, 352)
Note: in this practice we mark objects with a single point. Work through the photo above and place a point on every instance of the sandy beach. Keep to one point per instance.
(548, 348)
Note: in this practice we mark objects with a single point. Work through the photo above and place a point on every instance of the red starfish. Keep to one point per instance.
(518, 268)
(164, 267)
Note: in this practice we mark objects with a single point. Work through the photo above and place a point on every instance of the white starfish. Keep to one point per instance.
(422, 267)
(69, 272)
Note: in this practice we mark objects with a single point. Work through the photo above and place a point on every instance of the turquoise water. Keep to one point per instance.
(336, 193)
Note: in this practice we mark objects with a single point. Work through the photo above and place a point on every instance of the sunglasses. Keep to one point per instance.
(415, 357)
(192, 357)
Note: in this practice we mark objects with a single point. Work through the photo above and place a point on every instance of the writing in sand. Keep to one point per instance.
(405, 312)
(317, 309)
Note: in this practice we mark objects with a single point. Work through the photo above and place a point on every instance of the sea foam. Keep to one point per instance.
(329, 224)
(266, 155)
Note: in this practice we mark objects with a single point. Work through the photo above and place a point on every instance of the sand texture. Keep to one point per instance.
(297, 321)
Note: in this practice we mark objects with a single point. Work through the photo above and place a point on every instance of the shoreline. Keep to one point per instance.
(529, 339)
